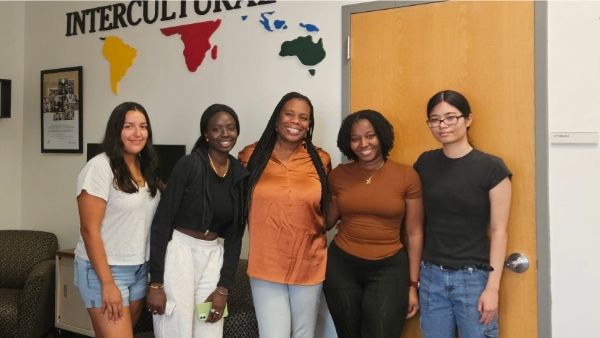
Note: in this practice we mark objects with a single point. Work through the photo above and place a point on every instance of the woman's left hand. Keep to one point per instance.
(218, 305)
(488, 306)
(413, 302)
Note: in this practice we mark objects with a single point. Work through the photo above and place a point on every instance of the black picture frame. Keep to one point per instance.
(5, 97)
(61, 98)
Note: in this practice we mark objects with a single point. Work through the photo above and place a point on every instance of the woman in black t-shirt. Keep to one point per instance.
(466, 193)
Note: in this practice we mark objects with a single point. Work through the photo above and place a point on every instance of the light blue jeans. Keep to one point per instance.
(448, 300)
(284, 310)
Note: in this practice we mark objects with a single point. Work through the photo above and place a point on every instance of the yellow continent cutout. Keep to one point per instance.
(120, 56)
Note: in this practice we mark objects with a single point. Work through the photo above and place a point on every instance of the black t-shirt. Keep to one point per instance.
(222, 201)
(457, 205)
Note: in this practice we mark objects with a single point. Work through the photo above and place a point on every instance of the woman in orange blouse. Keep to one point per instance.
(287, 193)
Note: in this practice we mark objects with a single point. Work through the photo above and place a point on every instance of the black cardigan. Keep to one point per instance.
(187, 200)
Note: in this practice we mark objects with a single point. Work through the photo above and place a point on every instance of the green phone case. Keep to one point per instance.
(202, 310)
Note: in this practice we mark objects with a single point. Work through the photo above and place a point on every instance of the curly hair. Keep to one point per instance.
(260, 157)
(112, 145)
(206, 116)
(383, 129)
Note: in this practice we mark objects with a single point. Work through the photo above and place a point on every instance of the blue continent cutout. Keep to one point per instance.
(244, 17)
(279, 24)
(265, 21)
(310, 27)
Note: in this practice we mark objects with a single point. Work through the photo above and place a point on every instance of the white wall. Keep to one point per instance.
(248, 75)
(251, 78)
(12, 40)
(574, 95)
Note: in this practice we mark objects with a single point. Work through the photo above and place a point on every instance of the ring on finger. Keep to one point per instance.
(217, 313)
(213, 311)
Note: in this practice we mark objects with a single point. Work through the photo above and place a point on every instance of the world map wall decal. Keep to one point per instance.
(120, 57)
(196, 41)
(196, 38)
(309, 53)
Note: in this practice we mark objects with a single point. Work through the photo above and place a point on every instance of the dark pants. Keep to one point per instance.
(366, 298)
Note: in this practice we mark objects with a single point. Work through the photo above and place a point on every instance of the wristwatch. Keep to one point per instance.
(414, 284)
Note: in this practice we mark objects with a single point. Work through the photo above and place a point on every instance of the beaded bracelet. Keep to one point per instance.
(156, 286)
(221, 293)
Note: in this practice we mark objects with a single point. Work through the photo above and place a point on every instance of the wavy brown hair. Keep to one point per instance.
(112, 145)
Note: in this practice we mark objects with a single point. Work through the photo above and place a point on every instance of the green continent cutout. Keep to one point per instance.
(308, 53)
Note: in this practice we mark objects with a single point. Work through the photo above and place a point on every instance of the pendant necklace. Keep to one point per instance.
(368, 180)
(138, 179)
(215, 169)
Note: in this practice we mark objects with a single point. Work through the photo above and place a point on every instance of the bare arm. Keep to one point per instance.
(91, 213)
(333, 213)
(500, 197)
(414, 231)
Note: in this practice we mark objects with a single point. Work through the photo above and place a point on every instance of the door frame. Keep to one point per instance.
(541, 137)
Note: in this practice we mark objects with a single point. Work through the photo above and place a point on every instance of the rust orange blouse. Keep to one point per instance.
(288, 244)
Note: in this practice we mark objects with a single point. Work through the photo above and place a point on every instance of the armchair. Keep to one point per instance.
(241, 322)
(27, 270)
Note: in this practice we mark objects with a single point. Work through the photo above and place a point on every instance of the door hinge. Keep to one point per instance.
(348, 48)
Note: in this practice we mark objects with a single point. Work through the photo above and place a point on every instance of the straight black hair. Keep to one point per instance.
(451, 97)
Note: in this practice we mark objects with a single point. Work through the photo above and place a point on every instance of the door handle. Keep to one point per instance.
(517, 262)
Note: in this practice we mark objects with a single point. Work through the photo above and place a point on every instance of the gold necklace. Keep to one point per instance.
(368, 180)
(215, 169)
(138, 180)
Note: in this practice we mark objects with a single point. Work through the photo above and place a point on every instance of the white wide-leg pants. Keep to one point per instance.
(192, 271)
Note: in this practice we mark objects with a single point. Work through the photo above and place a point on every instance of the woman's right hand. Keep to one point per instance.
(112, 302)
(157, 301)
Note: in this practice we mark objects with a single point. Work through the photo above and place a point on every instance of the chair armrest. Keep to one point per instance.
(37, 304)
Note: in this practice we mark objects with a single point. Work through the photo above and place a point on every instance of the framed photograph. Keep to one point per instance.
(62, 110)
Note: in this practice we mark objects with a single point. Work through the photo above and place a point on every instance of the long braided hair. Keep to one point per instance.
(260, 157)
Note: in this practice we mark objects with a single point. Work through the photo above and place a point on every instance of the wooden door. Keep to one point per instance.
(400, 57)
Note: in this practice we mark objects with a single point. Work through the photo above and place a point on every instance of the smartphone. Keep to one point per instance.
(203, 310)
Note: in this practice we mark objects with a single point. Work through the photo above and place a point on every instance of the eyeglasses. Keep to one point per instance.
(449, 121)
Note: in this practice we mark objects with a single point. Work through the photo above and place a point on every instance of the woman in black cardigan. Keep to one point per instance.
(203, 201)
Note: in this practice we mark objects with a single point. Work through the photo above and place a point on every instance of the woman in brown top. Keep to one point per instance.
(368, 273)
(287, 191)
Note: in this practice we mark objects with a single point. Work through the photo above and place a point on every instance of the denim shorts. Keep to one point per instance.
(130, 279)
